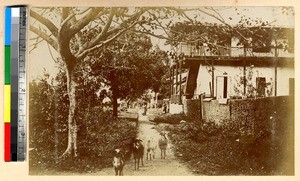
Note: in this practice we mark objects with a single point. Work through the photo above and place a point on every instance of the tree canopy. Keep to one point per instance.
(128, 67)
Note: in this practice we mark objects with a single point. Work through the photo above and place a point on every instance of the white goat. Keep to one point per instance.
(151, 148)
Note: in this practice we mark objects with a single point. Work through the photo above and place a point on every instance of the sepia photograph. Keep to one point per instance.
(161, 91)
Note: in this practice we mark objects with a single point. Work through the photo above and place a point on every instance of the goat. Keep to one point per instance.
(163, 143)
(151, 149)
(138, 153)
(118, 162)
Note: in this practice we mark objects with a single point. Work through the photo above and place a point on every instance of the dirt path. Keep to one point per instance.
(157, 167)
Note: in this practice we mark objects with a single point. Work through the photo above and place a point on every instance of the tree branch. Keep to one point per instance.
(133, 18)
(84, 21)
(46, 37)
(159, 23)
(89, 50)
(217, 13)
(64, 12)
(152, 34)
(105, 28)
(53, 29)
(223, 21)
(78, 35)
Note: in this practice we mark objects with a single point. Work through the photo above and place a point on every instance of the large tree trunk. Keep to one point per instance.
(115, 105)
(70, 63)
(114, 93)
(72, 126)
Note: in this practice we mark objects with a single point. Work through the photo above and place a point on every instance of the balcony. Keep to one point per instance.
(190, 50)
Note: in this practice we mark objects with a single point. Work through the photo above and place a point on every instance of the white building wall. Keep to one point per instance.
(204, 77)
(235, 88)
(283, 75)
(176, 108)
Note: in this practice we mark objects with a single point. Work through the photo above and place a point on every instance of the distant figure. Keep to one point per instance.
(118, 162)
(151, 149)
(163, 143)
(165, 108)
(145, 109)
(138, 153)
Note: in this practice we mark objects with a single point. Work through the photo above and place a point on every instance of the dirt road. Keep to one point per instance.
(157, 167)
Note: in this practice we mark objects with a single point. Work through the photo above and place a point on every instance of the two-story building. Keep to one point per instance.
(234, 71)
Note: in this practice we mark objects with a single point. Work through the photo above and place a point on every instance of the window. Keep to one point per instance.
(222, 87)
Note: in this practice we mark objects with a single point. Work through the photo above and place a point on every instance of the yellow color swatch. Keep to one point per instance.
(7, 103)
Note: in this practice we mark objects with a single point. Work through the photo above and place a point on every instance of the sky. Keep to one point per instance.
(41, 58)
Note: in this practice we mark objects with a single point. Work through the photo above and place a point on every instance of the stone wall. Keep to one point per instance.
(192, 108)
(255, 115)
(251, 115)
(215, 112)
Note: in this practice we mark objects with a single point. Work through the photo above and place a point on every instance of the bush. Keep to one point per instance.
(98, 135)
(211, 149)
(97, 138)
(101, 134)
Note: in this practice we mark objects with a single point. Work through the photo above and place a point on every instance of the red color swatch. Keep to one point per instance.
(7, 142)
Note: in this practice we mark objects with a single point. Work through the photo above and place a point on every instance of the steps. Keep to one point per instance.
(191, 80)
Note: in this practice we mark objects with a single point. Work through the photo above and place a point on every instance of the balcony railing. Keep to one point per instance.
(190, 50)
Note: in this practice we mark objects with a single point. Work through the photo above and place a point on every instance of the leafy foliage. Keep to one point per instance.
(128, 66)
(80, 32)
(85, 38)
(250, 33)
(96, 146)
(211, 149)
(48, 129)
(41, 108)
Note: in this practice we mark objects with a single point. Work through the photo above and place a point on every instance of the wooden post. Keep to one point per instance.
(180, 79)
(212, 79)
(276, 61)
(201, 105)
(244, 79)
(171, 80)
(176, 87)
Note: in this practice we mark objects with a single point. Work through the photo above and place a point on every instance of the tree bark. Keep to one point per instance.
(115, 105)
(114, 93)
(72, 125)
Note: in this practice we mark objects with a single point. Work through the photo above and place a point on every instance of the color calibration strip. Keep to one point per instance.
(15, 84)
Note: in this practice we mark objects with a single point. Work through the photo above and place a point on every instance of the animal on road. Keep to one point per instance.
(151, 149)
(118, 162)
(138, 153)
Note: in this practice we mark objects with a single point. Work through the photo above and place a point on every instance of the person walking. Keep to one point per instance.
(165, 108)
(163, 143)
(145, 109)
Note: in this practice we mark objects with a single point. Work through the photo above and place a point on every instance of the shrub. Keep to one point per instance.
(98, 134)
(211, 149)
(97, 139)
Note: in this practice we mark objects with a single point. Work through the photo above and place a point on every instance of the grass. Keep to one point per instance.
(97, 139)
(209, 149)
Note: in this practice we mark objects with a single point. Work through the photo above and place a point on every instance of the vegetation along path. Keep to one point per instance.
(156, 167)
